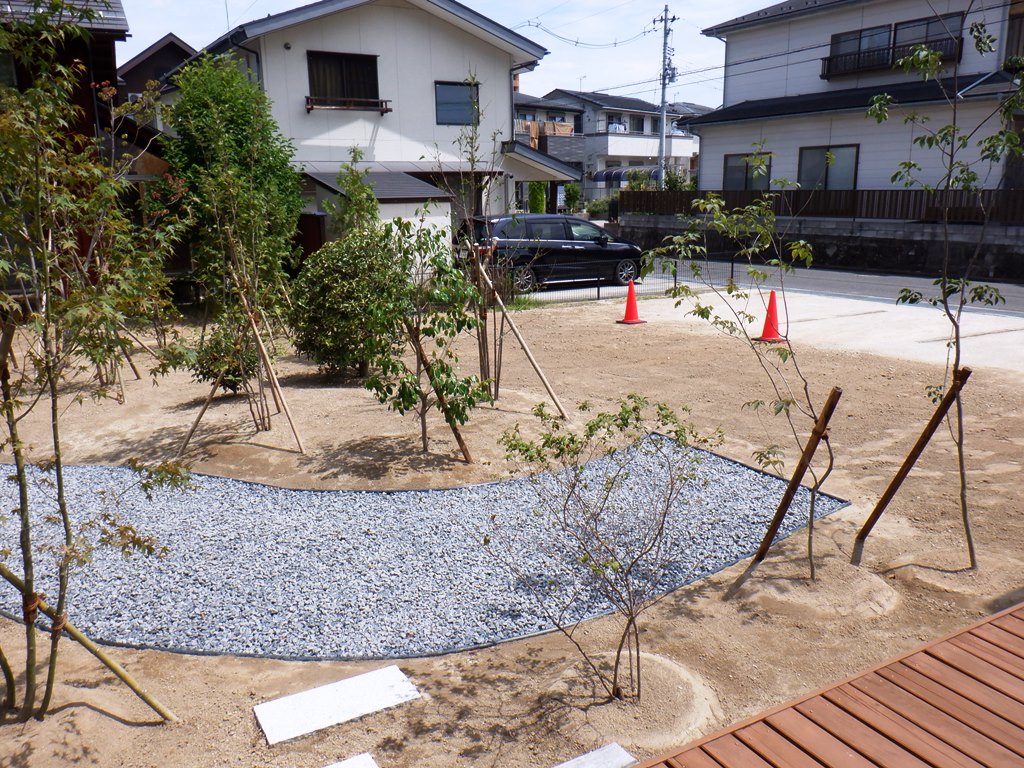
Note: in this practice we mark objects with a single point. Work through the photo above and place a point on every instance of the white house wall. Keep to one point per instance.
(414, 49)
(882, 146)
(783, 58)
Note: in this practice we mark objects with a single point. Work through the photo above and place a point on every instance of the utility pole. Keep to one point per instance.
(668, 74)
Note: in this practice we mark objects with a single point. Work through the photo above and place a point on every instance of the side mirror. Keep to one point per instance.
(601, 240)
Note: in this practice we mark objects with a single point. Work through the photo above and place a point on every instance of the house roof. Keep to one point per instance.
(525, 52)
(916, 92)
(605, 100)
(108, 15)
(540, 161)
(957, 701)
(687, 109)
(779, 11)
(522, 100)
(388, 187)
(167, 40)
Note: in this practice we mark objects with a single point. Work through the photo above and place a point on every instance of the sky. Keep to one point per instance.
(596, 45)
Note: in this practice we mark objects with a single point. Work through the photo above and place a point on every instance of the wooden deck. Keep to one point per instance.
(956, 702)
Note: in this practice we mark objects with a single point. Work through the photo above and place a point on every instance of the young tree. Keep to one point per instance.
(428, 306)
(967, 153)
(245, 201)
(607, 494)
(77, 268)
(752, 232)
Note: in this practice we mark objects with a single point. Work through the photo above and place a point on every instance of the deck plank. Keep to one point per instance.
(935, 721)
(1011, 685)
(774, 747)
(874, 745)
(911, 736)
(733, 753)
(953, 704)
(814, 740)
(993, 654)
(1001, 638)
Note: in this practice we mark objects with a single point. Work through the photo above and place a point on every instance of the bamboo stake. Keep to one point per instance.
(96, 651)
(275, 385)
(138, 341)
(960, 378)
(817, 434)
(202, 412)
(526, 349)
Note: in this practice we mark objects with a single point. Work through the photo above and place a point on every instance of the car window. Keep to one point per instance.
(547, 229)
(584, 230)
(514, 229)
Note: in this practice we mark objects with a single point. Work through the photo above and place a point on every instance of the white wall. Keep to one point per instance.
(415, 49)
(758, 67)
(882, 146)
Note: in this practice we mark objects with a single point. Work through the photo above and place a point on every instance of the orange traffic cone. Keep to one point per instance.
(632, 316)
(771, 323)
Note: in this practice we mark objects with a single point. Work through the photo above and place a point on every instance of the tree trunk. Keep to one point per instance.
(65, 519)
(29, 608)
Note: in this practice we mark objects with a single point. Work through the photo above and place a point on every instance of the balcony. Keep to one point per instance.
(949, 49)
(530, 131)
(356, 105)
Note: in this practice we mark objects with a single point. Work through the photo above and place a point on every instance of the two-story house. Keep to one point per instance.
(622, 134)
(799, 77)
(409, 84)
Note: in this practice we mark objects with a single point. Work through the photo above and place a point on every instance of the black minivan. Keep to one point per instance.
(538, 248)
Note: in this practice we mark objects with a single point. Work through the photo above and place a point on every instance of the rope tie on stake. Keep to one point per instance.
(58, 625)
(30, 606)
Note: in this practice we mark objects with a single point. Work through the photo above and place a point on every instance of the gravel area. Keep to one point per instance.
(264, 571)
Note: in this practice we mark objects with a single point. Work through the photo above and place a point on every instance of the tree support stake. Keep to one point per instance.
(95, 650)
(960, 378)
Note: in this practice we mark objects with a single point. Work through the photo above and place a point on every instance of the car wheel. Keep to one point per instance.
(524, 280)
(625, 271)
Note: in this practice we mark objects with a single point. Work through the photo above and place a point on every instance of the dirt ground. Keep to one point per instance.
(710, 660)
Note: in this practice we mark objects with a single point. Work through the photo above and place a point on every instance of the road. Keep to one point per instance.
(821, 282)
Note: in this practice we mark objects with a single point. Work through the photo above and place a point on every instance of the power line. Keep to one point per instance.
(580, 44)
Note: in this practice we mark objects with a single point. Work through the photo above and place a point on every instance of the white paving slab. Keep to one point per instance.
(608, 756)
(308, 711)
(359, 761)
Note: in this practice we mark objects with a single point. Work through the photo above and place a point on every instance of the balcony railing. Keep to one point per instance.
(359, 105)
(949, 49)
(1003, 206)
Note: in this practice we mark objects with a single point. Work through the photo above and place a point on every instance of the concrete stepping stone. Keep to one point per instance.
(359, 761)
(309, 711)
(608, 756)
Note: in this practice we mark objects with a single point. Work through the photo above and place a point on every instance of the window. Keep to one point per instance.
(526, 116)
(343, 81)
(456, 103)
(860, 49)
(556, 117)
(942, 33)
(741, 174)
(615, 122)
(636, 124)
(547, 229)
(8, 72)
(656, 126)
(828, 167)
(585, 231)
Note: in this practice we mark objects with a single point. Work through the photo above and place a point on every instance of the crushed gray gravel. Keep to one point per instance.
(258, 570)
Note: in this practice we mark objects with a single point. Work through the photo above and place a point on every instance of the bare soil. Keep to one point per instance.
(711, 660)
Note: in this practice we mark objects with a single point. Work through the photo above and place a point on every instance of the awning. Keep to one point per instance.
(527, 164)
(621, 172)
(388, 187)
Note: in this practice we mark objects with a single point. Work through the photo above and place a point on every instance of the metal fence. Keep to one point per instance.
(664, 277)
